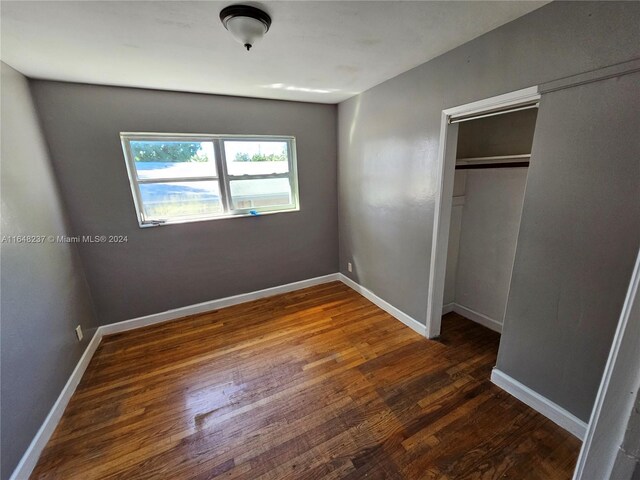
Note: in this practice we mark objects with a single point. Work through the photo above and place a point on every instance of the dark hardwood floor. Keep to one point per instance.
(318, 383)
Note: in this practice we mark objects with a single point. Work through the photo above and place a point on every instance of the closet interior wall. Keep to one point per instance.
(485, 218)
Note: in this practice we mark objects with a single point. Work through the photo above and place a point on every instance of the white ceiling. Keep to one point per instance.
(318, 51)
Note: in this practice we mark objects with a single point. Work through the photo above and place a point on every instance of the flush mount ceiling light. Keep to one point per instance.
(246, 24)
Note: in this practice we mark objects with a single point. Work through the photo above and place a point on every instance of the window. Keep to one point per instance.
(185, 178)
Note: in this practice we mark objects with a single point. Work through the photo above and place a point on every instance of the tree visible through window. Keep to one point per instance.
(168, 152)
(261, 157)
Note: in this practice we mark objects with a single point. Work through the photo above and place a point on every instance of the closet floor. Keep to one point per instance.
(317, 383)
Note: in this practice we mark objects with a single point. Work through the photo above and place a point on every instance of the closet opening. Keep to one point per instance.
(485, 158)
(492, 160)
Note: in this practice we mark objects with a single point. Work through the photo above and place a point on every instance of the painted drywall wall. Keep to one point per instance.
(578, 240)
(488, 235)
(505, 134)
(455, 226)
(453, 249)
(388, 146)
(177, 265)
(44, 292)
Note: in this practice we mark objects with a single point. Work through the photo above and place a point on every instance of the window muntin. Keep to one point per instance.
(182, 178)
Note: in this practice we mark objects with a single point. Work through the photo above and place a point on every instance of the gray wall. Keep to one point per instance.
(44, 292)
(388, 143)
(578, 239)
(177, 265)
(488, 234)
(506, 134)
(455, 228)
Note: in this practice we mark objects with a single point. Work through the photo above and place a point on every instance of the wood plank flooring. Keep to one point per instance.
(318, 383)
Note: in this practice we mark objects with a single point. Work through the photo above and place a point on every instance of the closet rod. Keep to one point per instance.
(475, 166)
(490, 114)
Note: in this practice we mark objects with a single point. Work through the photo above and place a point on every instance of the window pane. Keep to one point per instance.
(261, 193)
(256, 157)
(177, 199)
(158, 159)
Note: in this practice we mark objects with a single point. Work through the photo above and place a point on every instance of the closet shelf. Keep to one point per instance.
(502, 161)
(495, 158)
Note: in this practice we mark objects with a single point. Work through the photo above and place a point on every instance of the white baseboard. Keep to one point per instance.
(477, 317)
(32, 454)
(523, 393)
(448, 308)
(410, 322)
(30, 458)
(248, 297)
(541, 404)
(213, 305)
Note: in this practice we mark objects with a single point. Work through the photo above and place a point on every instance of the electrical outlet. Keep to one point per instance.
(79, 333)
(350, 267)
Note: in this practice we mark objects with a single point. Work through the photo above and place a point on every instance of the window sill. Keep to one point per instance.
(221, 217)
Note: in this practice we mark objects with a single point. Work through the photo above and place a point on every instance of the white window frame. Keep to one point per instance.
(222, 178)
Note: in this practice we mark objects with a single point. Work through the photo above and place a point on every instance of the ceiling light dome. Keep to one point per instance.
(246, 24)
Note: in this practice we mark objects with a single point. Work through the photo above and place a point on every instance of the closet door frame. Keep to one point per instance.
(445, 166)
